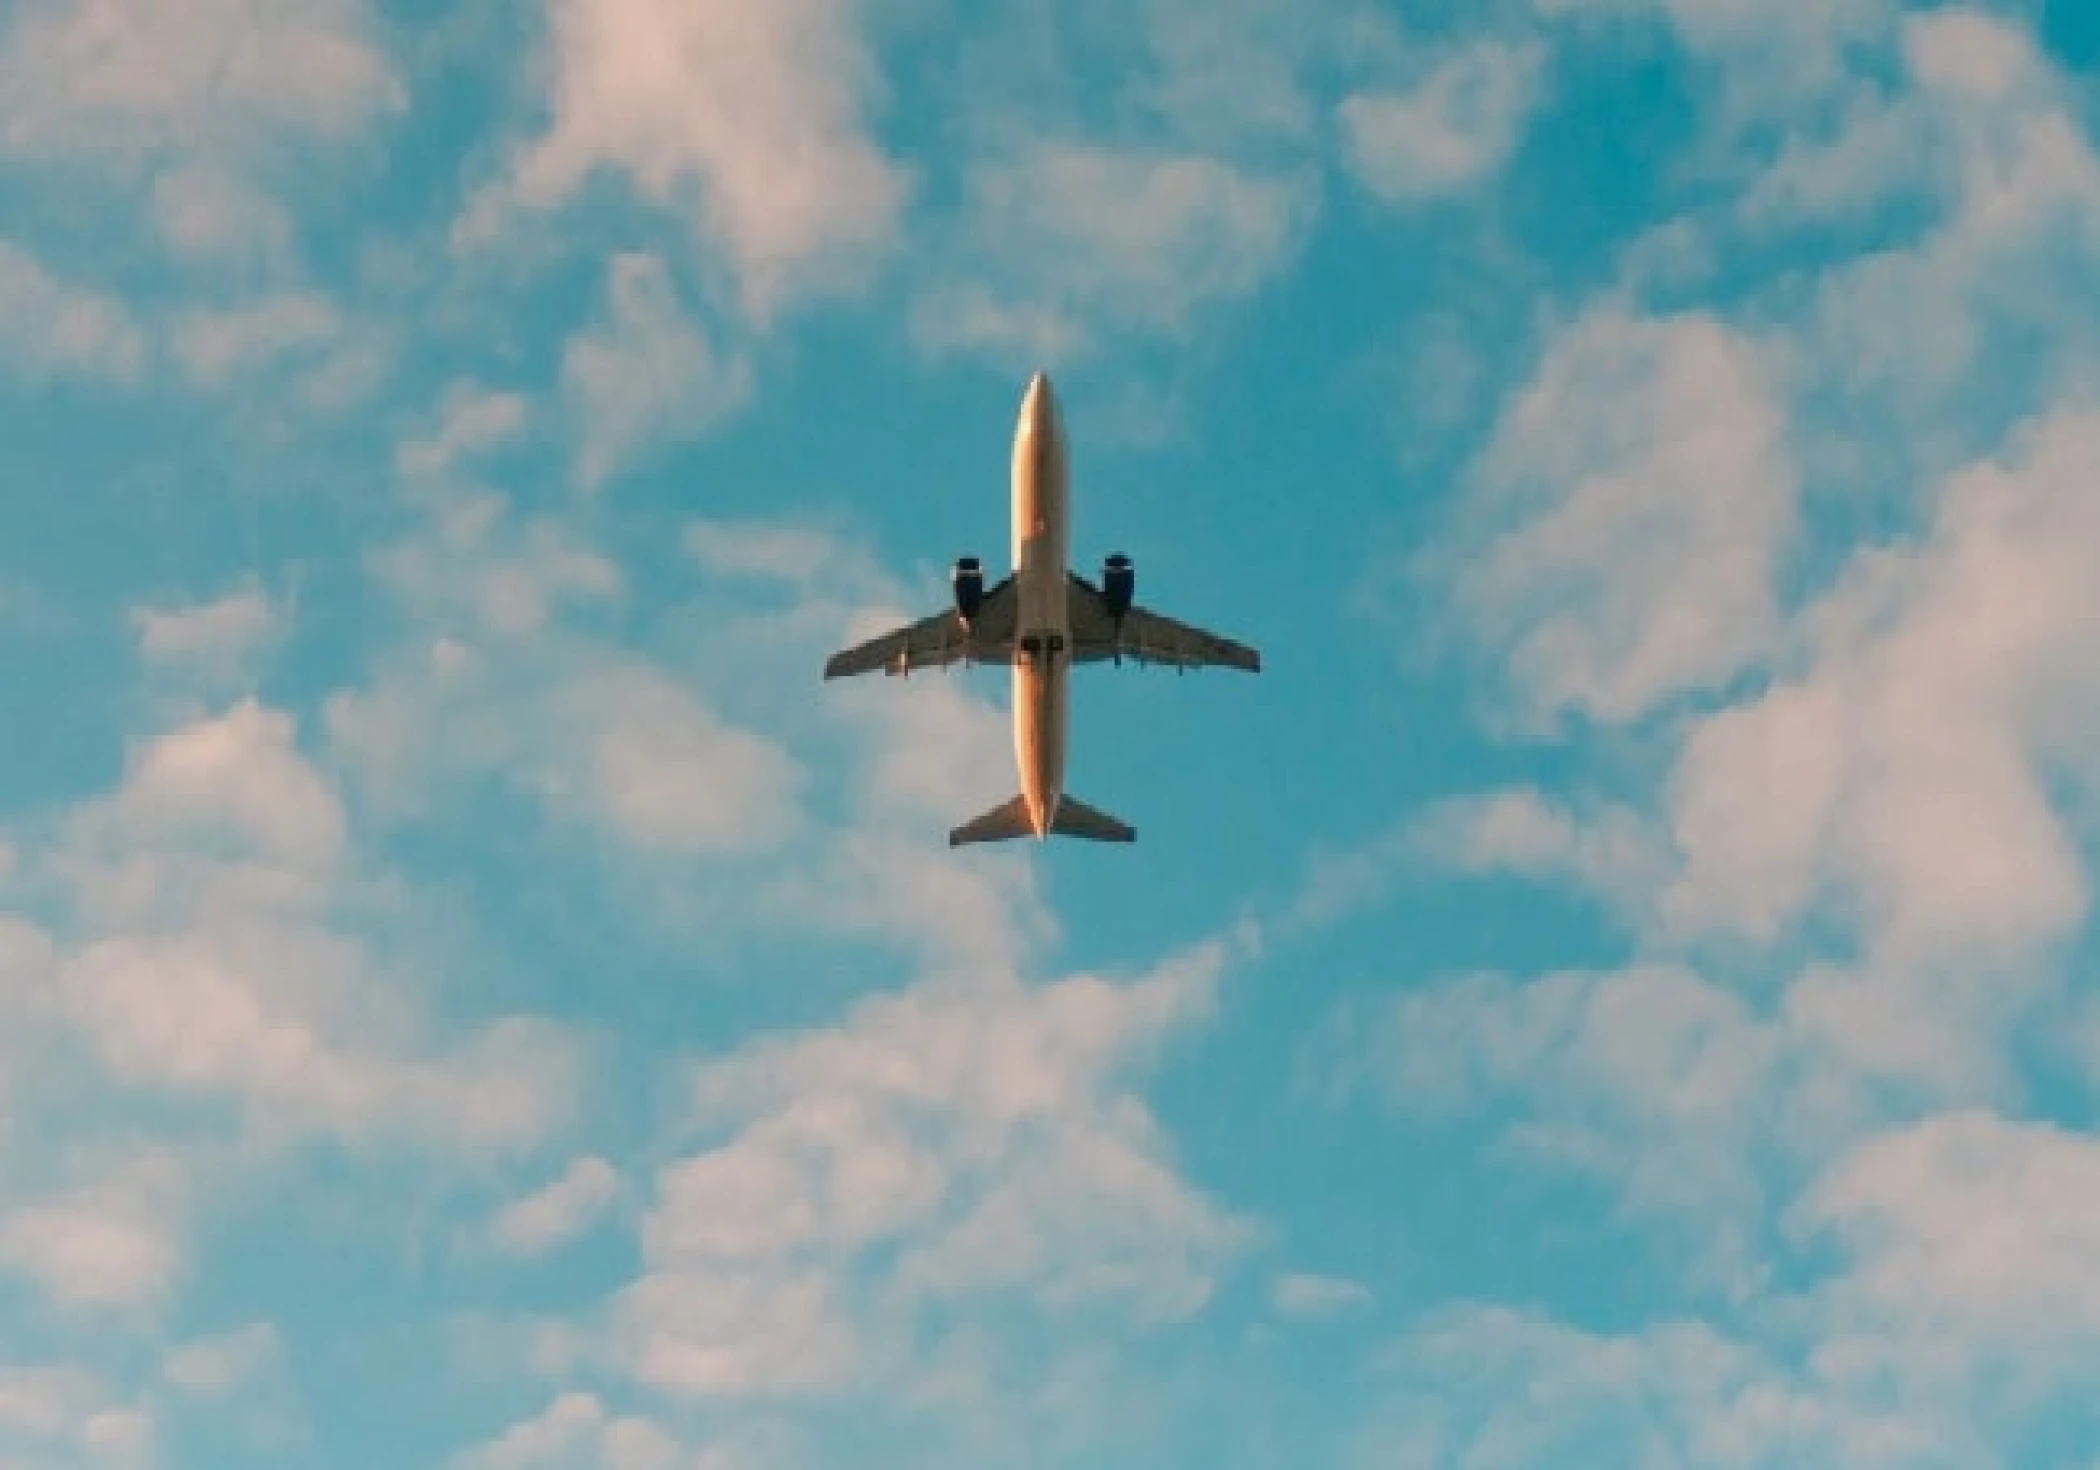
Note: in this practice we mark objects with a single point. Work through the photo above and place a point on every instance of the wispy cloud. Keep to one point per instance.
(1452, 129)
(1301, 1295)
(1073, 239)
(576, 1429)
(215, 645)
(557, 1213)
(646, 373)
(50, 327)
(127, 81)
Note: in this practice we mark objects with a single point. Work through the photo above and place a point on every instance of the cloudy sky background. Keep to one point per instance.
(1617, 990)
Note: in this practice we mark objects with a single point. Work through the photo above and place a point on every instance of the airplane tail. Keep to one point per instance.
(1076, 819)
(1009, 820)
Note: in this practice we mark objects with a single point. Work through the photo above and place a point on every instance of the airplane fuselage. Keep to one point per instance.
(1043, 631)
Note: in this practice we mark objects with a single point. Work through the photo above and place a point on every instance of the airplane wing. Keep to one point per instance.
(937, 640)
(1146, 637)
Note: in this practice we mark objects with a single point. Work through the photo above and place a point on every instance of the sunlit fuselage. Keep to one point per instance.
(1042, 627)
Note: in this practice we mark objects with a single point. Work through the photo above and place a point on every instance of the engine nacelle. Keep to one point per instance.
(969, 587)
(1118, 583)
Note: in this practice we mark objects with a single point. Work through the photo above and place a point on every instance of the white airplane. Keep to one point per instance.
(1042, 619)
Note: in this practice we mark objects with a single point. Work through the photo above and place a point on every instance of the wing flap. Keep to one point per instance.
(1146, 637)
(937, 640)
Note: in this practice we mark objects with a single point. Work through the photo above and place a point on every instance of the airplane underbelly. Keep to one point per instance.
(1039, 738)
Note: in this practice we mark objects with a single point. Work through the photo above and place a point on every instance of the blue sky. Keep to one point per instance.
(1616, 990)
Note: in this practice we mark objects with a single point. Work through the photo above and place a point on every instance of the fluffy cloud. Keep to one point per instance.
(1630, 515)
(941, 1146)
(1904, 780)
(625, 749)
(209, 965)
(750, 121)
(1977, 1231)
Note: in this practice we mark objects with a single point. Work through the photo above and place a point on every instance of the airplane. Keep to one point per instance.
(1042, 619)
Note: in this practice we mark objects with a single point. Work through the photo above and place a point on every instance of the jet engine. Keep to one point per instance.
(969, 587)
(1118, 583)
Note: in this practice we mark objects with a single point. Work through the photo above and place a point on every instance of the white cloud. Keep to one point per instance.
(1974, 170)
(1302, 1295)
(1070, 239)
(208, 963)
(1968, 51)
(112, 1240)
(1772, 60)
(750, 120)
(1491, 1386)
(231, 1363)
(575, 1432)
(1906, 770)
(1629, 516)
(472, 420)
(216, 345)
(1606, 848)
(73, 1416)
(645, 373)
(213, 214)
(1980, 1232)
(470, 576)
(216, 643)
(1651, 1078)
(221, 103)
(1457, 126)
(979, 1137)
(806, 559)
(550, 1217)
(131, 79)
(236, 776)
(663, 772)
(618, 744)
(50, 327)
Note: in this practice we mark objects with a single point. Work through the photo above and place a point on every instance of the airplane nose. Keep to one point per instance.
(1039, 406)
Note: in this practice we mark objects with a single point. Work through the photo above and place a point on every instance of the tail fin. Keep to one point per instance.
(1076, 819)
(1009, 820)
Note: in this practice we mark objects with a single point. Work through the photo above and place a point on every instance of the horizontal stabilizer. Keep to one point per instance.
(1003, 822)
(1076, 819)
(1009, 820)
